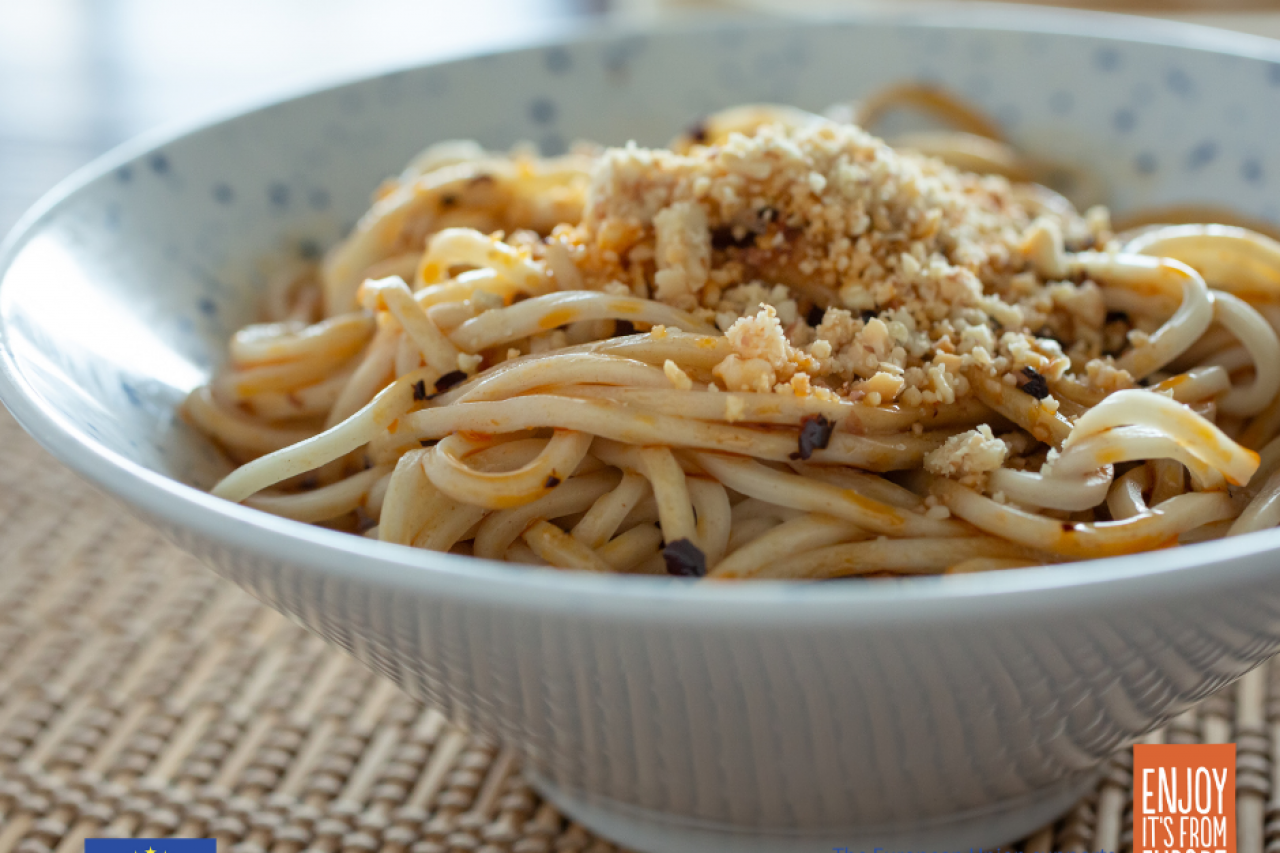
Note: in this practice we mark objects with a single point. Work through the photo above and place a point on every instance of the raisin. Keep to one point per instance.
(684, 559)
(1033, 383)
(815, 434)
(444, 383)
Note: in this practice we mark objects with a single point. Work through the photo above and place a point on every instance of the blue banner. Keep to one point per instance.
(150, 845)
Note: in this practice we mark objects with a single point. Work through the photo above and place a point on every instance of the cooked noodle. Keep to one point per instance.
(781, 348)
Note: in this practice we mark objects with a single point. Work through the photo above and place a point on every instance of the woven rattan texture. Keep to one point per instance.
(141, 695)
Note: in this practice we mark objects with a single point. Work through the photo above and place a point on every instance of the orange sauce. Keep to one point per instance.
(557, 318)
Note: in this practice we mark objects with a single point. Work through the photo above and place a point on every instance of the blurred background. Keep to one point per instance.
(78, 77)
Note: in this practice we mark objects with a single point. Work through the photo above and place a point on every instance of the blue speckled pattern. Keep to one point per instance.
(950, 712)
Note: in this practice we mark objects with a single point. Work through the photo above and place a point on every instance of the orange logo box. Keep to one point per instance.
(1184, 798)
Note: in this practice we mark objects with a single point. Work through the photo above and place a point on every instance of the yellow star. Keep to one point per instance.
(150, 850)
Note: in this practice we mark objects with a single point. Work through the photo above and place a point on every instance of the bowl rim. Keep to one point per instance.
(345, 557)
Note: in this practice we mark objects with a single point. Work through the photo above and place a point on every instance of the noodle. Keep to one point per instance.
(779, 349)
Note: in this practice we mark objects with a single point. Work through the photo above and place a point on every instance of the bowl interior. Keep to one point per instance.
(120, 293)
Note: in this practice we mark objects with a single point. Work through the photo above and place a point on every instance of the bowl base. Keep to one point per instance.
(648, 831)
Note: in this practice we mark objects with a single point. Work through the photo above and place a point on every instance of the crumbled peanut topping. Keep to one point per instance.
(683, 253)
(977, 451)
(838, 266)
(678, 378)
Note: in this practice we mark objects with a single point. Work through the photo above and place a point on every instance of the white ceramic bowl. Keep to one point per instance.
(932, 713)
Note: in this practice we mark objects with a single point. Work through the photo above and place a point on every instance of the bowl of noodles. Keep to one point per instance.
(975, 314)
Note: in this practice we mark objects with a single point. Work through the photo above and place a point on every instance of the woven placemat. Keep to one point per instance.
(140, 695)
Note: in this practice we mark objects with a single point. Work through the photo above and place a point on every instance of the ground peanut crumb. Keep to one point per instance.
(977, 451)
(679, 379)
(839, 267)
